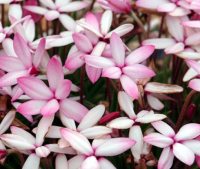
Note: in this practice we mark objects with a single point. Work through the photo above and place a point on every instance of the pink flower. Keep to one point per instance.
(182, 144)
(48, 100)
(90, 153)
(57, 10)
(118, 6)
(133, 122)
(126, 69)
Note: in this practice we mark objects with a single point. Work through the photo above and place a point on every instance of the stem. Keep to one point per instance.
(82, 84)
(2, 15)
(184, 109)
(161, 26)
(108, 93)
(138, 21)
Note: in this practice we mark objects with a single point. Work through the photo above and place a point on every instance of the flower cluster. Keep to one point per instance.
(99, 84)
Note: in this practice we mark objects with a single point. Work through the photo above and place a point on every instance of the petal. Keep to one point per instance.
(163, 128)
(126, 104)
(73, 6)
(166, 159)
(9, 63)
(160, 43)
(193, 145)
(32, 162)
(129, 86)
(8, 47)
(183, 133)
(135, 133)
(176, 48)
(121, 123)
(168, 7)
(174, 23)
(96, 132)
(98, 61)
(35, 88)
(75, 162)
(138, 71)
(36, 9)
(15, 10)
(183, 153)
(82, 42)
(68, 22)
(55, 73)
(39, 53)
(154, 102)
(51, 15)
(17, 142)
(154, 87)
(31, 107)
(111, 72)
(192, 39)
(193, 64)
(7, 121)
(50, 108)
(106, 21)
(104, 163)
(189, 55)
(114, 146)
(43, 127)
(139, 55)
(29, 28)
(194, 84)
(22, 50)
(158, 140)
(121, 30)
(77, 141)
(73, 109)
(10, 78)
(63, 90)
(48, 3)
(92, 117)
(61, 161)
(93, 73)
(152, 6)
(74, 61)
(67, 122)
(149, 118)
(192, 24)
(90, 163)
(117, 49)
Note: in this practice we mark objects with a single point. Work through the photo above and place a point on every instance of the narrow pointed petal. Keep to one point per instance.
(138, 71)
(154, 102)
(90, 163)
(39, 53)
(121, 123)
(29, 27)
(22, 50)
(50, 108)
(160, 43)
(114, 147)
(189, 55)
(163, 128)
(158, 140)
(93, 73)
(129, 86)
(117, 49)
(55, 73)
(149, 118)
(31, 107)
(139, 55)
(166, 159)
(126, 104)
(7, 120)
(61, 161)
(63, 89)
(17, 142)
(106, 21)
(135, 133)
(35, 88)
(22, 133)
(82, 42)
(98, 61)
(152, 6)
(178, 47)
(74, 6)
(193, 145)
(104, 163)
(43, 128)
(183, 133)
(77, 141)
(111, 72)
(183, 153)
(92, 117)
(96, 132)
(154, 87)
(67, 122)
(32, 162)
(9, 64)
(73, 109)
(68, 22)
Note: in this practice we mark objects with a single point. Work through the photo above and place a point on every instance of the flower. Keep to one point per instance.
(126, 69)
(182, 144)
